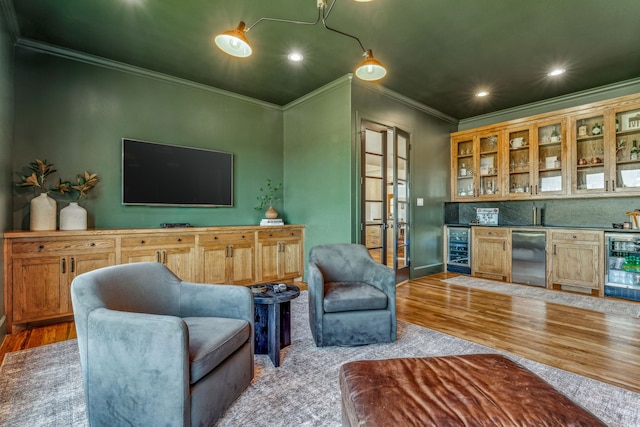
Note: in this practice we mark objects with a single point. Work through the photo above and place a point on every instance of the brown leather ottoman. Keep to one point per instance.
(471, 390)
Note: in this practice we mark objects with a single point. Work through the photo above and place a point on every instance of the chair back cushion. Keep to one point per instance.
(341, 261)
(352, 296)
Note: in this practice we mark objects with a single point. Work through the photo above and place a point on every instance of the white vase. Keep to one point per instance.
(73, 217)
(43, 213)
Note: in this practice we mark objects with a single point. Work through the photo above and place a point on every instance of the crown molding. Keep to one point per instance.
(406, 100)
(11, 19)
(329, 87)
(550, 104)
(98, 61)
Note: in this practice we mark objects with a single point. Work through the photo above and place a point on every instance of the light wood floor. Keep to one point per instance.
(600, 346)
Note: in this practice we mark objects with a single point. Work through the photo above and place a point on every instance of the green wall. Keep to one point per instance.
(74, 114)
(429, 131)
(318, 163)
(6, 139)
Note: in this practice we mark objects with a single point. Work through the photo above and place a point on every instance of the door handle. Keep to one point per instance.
(164, 257)
(606, 185)
(554, 249)
(64, 265)
(158, 259)
(230, 251)
(73, 265)
(613, 185)
(504, 246)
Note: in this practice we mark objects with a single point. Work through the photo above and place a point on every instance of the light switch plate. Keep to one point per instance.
(419, 201)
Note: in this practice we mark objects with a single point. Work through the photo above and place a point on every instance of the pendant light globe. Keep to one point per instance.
(370, 69)
(234, 42)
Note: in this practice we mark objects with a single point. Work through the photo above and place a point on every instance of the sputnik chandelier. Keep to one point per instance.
(234, 42)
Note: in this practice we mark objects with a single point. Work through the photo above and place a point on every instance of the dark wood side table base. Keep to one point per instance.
(272, 320)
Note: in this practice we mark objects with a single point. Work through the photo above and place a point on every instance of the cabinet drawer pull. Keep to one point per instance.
(92, 244)
(41, 247)
(215, 237)
(179, 239)
(142, 242)
(575, 237)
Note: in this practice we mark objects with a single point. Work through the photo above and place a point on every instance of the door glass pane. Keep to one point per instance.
(488, 164)
(627, 146)
(549, 158)
(519, 161)
(590, 153)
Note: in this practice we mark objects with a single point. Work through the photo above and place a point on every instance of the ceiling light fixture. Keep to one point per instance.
(295, 57)
(482, 94)
(235, 43)
(556, 72)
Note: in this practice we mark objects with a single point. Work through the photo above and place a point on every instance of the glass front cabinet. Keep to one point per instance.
(551, 158)
(476, 172)
(579, 152)
(625, 149)
(590, 154)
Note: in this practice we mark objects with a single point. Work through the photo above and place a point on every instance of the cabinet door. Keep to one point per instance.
(268, 253)
(551, 158)
(214, 265)
(291, 255)
(180, 261)
(518, 145)
(576, 264)
(462, 165)
(242, 262)
(487, 167)
(626, 172)
(491, 251)
(590, 155)
(75, 265)
(36, 288)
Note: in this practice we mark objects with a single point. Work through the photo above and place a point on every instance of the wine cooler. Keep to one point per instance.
(623, 266)
(458, 249)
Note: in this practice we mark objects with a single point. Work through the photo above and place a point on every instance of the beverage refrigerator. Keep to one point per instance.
(622, 279)
(458, 249)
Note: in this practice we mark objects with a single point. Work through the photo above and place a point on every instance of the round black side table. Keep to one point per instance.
(272, 319)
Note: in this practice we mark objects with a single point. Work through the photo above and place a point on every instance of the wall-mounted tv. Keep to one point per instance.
(156, 174)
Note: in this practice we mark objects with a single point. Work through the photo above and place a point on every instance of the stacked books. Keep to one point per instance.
(277, 221)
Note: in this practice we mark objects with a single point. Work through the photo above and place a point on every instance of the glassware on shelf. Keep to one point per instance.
(582, 129)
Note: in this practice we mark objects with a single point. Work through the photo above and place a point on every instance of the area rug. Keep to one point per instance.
(588, 302)
(42, 386)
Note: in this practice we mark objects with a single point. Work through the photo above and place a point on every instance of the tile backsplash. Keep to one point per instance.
(593, 212)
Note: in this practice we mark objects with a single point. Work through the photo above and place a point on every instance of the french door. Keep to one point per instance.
(385, 219)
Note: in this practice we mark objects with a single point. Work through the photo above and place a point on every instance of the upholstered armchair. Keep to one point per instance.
(158, 351)
(352, 298)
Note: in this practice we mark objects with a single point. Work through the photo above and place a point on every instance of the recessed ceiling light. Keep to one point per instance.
(556, 72)
(482, 93)
(295, 57)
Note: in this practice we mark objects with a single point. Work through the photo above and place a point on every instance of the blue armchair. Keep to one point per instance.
(158, 351)
(352, 298)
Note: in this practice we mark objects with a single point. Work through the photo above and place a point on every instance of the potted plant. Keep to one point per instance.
(74, 216)
(43, 207)
(268, 195)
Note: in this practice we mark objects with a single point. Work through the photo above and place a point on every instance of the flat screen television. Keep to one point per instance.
(156, 174)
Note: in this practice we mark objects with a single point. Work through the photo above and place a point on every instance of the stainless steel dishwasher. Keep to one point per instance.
(528, 257)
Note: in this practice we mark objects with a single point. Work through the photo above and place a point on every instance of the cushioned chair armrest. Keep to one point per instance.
(137, 368)
(200, 300)
(380, 276)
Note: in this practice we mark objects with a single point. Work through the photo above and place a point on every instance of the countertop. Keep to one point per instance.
(550, 227)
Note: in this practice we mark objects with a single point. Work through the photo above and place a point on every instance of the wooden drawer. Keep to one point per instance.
(576, 236)
(168, 240)
(54, 246)
(227, 237)
(490, 232)
(280, 234)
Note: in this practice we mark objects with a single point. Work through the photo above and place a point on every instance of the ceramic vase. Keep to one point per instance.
(43, 213)
(73, 217)
(271, 213)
